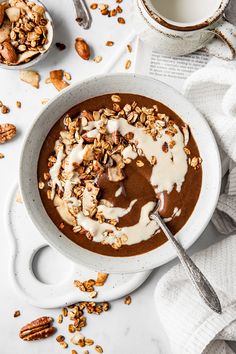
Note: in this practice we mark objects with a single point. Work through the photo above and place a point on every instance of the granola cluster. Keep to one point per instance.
(103, 152)
(23, 31)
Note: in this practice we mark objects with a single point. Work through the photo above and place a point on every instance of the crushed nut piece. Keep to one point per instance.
(60, 319)
(129, 48)
(97, 59)
(30, 77)
(139, 163)
(18, 104)
(121, 20)
(60, 338)
(127, 300)
(109, 43)
(17, 313)
(2, 156)
(93, 6)
(5, 109)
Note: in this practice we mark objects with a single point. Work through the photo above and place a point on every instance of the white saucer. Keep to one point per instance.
(44, 277)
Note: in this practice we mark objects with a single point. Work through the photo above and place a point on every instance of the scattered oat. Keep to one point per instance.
(2, 156)
(19, 197)
(98, 349)
(127, 300)
(64, 345)
(119, 10)
(119, 1)
(44, 101)
(67, 75)
(60, 46)
(93, 294)
(30, 77)
(121, 20)
(17, 313)
(139, 163)
(18, 104)
(86, 352)
(129, 48)
(89, 341)
(64, 312)
(187, 151)
(128, 64)
(60, 319)
(97, 59)
(74, 351)
(41, 184)
(109, 43)
(71, 328)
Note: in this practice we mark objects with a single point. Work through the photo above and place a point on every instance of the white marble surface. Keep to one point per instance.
(124, 329)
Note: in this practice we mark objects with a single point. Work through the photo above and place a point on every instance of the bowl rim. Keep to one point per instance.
(40, 56)
(140, 267)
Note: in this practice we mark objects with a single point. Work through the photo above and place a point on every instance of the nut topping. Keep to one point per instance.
(82, 48)
(37, 329)
(7, 132)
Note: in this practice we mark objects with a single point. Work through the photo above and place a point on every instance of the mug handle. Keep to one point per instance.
(224, 44)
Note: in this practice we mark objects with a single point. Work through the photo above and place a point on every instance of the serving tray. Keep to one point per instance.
(43, 277)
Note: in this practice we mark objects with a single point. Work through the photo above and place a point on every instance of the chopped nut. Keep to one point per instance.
(86, 352)
(165, 147)
(74, 351)
(119, 9)
(56, 78)
(127, 64)
(30, 77)
(2, 156)
(109, 43)
(98, 349)
(5, 109)
(18, 104)
(121, 20)
(101, 279)
(64, 312)
(97, 59)
(61, 226)
(71, 328)
(17, 313)
(127, 300)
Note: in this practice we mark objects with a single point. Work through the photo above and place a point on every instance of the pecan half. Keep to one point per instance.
(7, 132)
(37, 329)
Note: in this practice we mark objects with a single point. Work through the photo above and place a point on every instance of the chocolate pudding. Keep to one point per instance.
(106, 163)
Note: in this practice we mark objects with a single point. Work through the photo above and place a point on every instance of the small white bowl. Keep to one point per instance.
(35, 60)
(120, 83)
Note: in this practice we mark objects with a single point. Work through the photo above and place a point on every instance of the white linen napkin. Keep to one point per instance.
(192, 327)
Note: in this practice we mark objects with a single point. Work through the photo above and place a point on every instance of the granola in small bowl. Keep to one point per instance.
(25, 33)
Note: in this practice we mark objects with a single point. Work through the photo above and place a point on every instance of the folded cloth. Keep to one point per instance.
(192, 327)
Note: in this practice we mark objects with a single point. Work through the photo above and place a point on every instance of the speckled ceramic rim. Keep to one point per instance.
(163, 22)
(118, 83)
(40, 56)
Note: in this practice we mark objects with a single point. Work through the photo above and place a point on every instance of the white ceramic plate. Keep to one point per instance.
(127, 84)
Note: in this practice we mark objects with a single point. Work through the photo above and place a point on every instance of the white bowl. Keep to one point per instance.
(35, 60)
(127, 84)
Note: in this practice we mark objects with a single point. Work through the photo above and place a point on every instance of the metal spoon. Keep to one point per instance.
(83, 16)
(200, 283)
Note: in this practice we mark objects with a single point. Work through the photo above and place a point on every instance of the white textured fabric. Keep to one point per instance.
(192, 327)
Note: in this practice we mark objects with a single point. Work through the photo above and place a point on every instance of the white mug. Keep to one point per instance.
(179, 27)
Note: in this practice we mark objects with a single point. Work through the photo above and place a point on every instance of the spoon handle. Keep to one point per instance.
(83, 16)
(199, 281)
